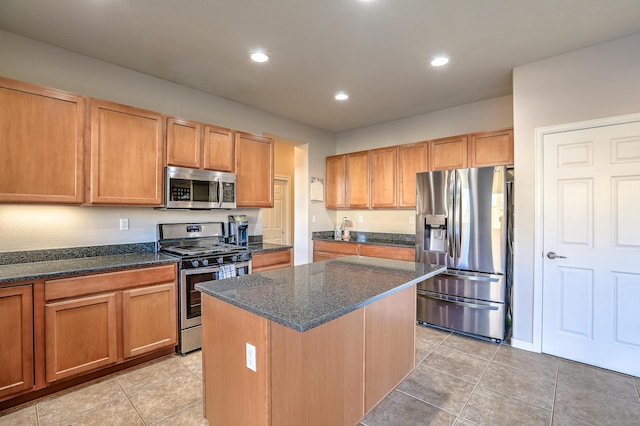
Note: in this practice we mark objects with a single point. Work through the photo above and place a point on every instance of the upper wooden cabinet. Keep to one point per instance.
(16, 337)
(448, 153)
(491, 148)
(412, 159)
(41, 144)
(384, 166)
(126, 155)
(199, 146)
(357, 180)
(218, 149)
(335, 180)
(254, 170)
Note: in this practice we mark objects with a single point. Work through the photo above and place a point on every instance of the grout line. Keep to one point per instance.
(476, 386)
(426, 402)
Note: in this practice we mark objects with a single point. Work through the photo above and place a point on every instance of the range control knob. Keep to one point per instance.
(246, 256)
(220, 260)
(195, 263)
(205, 262)
(234, 258)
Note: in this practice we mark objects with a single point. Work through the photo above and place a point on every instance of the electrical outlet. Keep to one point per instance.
(412, 219)
(251, 357)
(124, 224)
(313, 219)
(360, 219)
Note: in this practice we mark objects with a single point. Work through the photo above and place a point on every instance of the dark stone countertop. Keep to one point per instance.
(263, 247)
(306, 296)
(374, 238)
(62, 267)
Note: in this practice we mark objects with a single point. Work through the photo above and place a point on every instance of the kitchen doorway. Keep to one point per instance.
(589, 244)
(276, 221)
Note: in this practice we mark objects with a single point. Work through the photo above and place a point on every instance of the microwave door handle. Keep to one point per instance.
(220, 193)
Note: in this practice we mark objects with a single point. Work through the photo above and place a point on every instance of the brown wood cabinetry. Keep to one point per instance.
(41, 144)
(448, 153)
(412, 159)
(491, 148)
(199, 146)
(335, 189)
(93, 321)
(126, 155)
(357, 180)
(326, 250)
(254, 170)
(16, 340)
(384, 170)
(269, 260)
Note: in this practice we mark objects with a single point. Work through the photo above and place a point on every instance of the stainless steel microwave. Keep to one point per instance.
(199, 189)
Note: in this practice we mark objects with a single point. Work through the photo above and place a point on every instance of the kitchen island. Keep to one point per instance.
(321, 343)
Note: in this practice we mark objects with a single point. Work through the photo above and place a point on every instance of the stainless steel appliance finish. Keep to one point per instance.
(203, 257)
(199, 189)
(463, 220)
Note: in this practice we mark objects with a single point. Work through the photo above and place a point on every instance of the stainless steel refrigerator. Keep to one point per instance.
(464, 221)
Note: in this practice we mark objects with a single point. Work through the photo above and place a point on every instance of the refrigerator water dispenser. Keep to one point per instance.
(435, 232)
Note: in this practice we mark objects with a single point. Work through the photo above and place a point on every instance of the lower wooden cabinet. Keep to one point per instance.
(95, 321)
(327, 250)
(267, 261)
(148, 319)
(16, 340)
(80, 335)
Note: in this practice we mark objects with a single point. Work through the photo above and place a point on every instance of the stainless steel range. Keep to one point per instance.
(204, 256)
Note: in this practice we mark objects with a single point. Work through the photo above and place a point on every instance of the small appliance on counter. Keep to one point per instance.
(238, 230)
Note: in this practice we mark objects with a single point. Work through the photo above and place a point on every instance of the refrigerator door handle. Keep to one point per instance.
(451, 249)
(459, 302)
(458, 216)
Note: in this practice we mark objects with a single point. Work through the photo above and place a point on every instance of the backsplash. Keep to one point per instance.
(371, 237)
(8, 258)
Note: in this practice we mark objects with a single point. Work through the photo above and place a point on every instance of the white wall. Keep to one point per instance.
(596, 82)
(475, 117)
(46, 65)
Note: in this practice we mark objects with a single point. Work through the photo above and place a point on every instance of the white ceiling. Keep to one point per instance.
(378, 51)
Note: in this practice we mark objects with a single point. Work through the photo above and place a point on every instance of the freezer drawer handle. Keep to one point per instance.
(471, 277)
(465, 304)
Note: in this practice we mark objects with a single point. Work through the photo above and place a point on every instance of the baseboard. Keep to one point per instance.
(521, 344)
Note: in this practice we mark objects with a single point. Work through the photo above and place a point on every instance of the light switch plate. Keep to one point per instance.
(251, 357)
(124, 224)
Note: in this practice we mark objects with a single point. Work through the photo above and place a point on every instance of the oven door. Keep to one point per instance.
(190, 298)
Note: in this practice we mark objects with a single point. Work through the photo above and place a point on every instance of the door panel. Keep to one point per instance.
(591, 287)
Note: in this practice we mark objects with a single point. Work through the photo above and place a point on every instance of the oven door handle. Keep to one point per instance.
(205, 270)
(455, 301)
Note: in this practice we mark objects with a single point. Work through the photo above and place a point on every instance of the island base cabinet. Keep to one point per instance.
(332, 374)
(317, 375)
(16, 340)
(80, 335)
(390, 335)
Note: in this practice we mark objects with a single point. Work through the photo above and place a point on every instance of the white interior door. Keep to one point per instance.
(591, 289)
(275, 220)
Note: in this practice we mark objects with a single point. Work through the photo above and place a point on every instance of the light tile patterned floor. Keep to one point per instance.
(457, 380)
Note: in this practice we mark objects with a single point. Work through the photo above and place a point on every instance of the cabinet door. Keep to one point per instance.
(126, 155)
(16, 339)
(357, 180)
(254, 170)
(388, 252)
(412, 159)
(448, 153)
(335, 180)
(184, 143)
(218, 149)
(384, 163)
(80, 335)
(149, 319)
(491, 148)
(41, 144)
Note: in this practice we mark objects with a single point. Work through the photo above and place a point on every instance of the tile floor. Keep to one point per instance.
(457, 380)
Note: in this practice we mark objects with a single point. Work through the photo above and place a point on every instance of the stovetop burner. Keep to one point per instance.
(196, 250)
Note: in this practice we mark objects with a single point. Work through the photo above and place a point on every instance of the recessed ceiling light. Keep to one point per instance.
(439, 61)
(341, 96)
(259, 57)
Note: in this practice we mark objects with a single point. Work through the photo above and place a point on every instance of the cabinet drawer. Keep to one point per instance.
(335, 247)
(108, 281)
(397, 253)
(271, 260)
